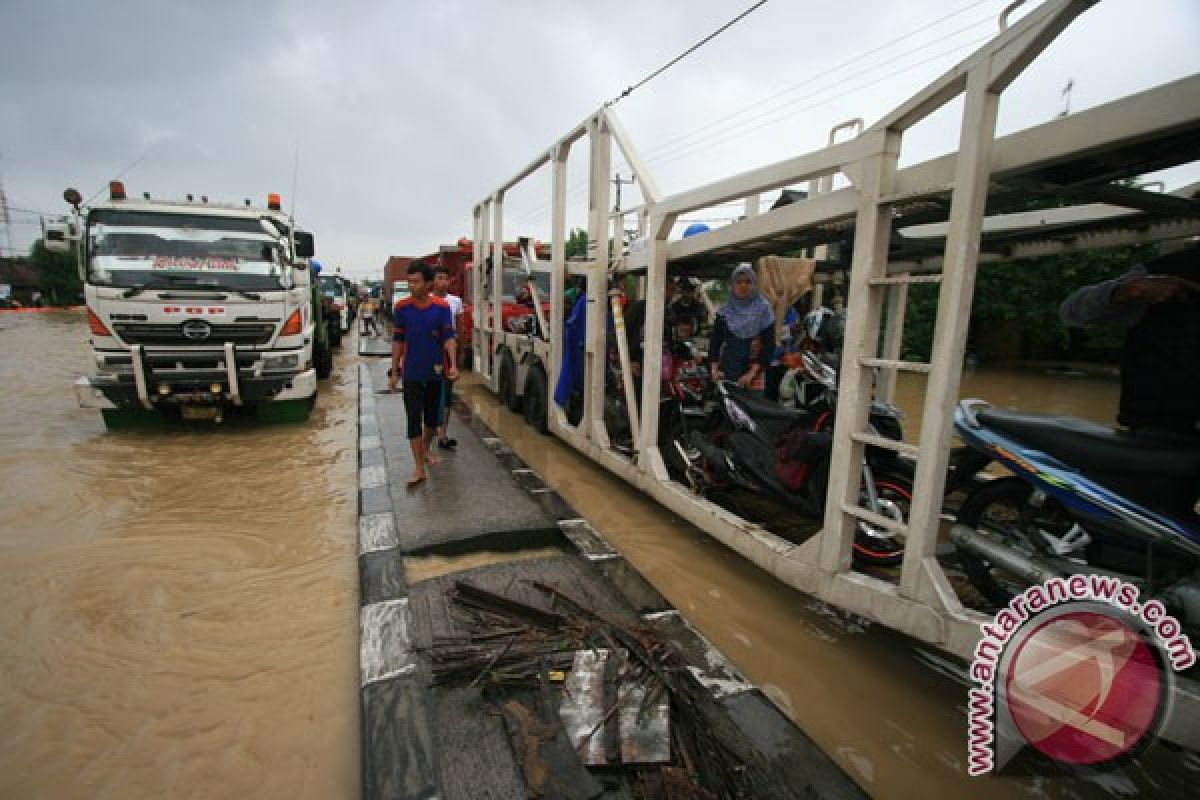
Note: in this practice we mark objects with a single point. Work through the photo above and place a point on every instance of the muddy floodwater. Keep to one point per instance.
(886, 707)
(178, 609)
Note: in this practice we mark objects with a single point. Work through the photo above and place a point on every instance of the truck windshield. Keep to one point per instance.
(515, 280)
(128, 249)
(332, 287)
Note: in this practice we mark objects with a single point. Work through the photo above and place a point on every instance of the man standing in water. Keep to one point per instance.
(423, 351)
(441, 289)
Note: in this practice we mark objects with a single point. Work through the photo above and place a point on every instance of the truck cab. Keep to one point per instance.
(194, 308)
(334, 288)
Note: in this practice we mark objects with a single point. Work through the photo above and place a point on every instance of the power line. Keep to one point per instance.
(123, 172)
(693, 149)
(670, 150)
(628, 91)
(663, 154)
(813, 78)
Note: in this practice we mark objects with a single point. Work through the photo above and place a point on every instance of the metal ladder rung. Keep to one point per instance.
(904, 448)
(907, 366)
(904, 280)
(875, 519)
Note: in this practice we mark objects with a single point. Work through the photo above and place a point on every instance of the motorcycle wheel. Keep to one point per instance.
(1001, 507)
(670, 431)
(884, 548)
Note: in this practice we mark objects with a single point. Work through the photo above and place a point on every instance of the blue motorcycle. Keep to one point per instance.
(1082, 499)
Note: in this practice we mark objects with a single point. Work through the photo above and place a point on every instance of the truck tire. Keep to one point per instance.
(535, 400)
(322, 359)
(508, 383)
(335, 332)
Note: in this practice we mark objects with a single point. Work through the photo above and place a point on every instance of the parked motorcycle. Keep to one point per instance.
(1082, 499)
(683, 402)
(785, 453)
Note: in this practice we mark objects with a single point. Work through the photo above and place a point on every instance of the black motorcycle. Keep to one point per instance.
(765, 448)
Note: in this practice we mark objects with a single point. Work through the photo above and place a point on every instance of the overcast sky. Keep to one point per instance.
(406, 114)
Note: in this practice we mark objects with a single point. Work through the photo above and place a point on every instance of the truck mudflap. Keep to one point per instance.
(223, 385)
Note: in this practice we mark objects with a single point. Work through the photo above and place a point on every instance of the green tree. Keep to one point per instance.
(577, 244)
(1029, 292)
(58, 275)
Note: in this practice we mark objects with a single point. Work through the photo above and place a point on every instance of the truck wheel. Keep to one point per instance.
(535, 400)
(508, 383)
(322, 359)
(335, 332)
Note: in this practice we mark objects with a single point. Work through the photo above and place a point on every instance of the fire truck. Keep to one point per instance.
(195, 309)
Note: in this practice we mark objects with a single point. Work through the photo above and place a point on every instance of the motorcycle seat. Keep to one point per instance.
(1148, 470)
(765, 409)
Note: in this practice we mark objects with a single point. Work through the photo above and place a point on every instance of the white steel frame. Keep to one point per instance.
(922, 604)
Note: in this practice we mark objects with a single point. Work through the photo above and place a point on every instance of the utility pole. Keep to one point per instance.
(617, 181)
(1066, 95)
(5, 219)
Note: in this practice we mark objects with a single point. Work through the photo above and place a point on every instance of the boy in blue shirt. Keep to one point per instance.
(423, 351)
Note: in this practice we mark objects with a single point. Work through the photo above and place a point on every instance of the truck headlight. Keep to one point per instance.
(290, 361)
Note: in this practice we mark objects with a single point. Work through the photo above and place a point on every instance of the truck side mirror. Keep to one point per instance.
(304, 244)
(57, 238)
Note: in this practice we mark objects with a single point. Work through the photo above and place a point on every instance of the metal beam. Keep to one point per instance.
(1143, 117)
(774, 176)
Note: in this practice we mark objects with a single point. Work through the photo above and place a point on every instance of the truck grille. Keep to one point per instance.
(172, 335)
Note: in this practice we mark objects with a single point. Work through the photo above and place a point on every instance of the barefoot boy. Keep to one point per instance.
(423, 348)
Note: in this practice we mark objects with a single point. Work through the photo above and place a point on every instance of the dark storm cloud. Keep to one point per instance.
(405, 114)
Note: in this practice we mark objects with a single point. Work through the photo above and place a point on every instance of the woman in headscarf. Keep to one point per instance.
(743, 338)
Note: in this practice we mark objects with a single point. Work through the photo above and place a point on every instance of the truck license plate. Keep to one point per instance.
(200, 412)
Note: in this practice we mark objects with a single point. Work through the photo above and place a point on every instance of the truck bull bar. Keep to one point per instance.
(141, 371)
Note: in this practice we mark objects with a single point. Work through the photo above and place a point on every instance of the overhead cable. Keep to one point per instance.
(629, 90)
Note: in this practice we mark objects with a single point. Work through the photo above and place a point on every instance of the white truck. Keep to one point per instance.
(195, 308)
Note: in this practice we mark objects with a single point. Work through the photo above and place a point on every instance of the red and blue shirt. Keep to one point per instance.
(425, 330)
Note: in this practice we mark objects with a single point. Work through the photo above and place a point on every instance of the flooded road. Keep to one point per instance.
(884, 706)
(178, 608)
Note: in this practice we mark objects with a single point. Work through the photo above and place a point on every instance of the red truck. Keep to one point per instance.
(458, 259)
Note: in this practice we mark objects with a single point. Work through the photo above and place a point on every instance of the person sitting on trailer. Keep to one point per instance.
(687, 307)
(1158, 303)
(743, 336)
(635, 328)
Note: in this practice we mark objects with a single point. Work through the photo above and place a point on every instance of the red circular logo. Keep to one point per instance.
(1084, 688)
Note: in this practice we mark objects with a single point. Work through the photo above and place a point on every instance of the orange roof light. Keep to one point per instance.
(116, 190)
(273, 202)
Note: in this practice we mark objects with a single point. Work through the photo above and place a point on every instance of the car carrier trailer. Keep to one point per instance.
(932, 222)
